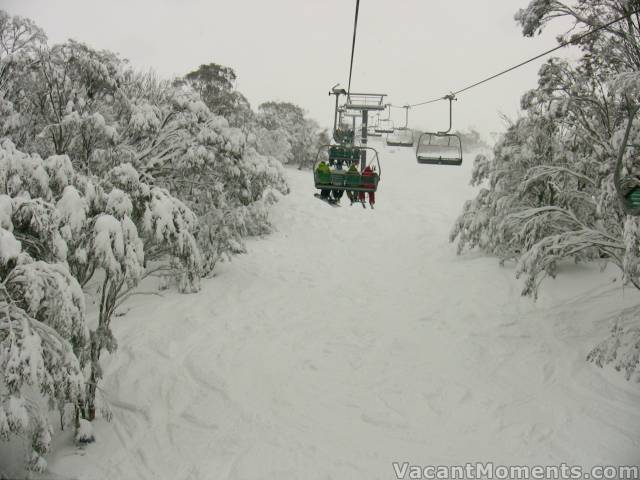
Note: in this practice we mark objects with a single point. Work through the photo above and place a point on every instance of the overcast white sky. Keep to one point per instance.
(295, 50)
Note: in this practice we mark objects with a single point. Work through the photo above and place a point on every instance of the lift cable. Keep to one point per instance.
(573, 40)
(353, 46)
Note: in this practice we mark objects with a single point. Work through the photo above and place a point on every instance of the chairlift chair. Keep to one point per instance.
(343, 135)
(385, 126)
(401, 137)
(439, 149)
(372, 132)
(342, 179)
(365, 101)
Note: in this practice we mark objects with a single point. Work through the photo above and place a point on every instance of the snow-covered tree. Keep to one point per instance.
(175, 141)
(43, 339)
(550, 193)
(285, 123)
(59, 99)
(98, 228)
(108, 175)
(216, 86)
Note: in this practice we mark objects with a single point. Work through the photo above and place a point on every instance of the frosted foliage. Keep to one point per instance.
(627, 83)
(95, 126)
(50, 294)
(41, 434)
(40, 221)
(108, 243)
(6, 211)
(134, 252)
(531, 17)
(34, 354)
(125, 177)
(265, 173)
(550, 194)
(60, 171)
(22, 174)
(145, 118)
(481, 169)
(16, 410)
(118, 204)
(171, 224)
(189, 101)
(4, 424)
(631, 238)
(274, 143)
(92, 194)
(622, 348)
(117, 248)
(72, 209)
(84, 434)
(9, 247)
(234, 141)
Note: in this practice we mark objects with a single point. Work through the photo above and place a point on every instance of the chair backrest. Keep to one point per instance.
(439, 146)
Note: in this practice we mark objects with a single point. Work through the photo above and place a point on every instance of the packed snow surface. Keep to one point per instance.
(352, 338)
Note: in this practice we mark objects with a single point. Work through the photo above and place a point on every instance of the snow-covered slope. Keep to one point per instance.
(352, 338)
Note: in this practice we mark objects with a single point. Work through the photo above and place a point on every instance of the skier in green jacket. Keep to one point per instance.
(324, 170)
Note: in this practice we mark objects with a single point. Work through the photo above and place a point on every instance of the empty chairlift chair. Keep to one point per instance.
(439, 149)
(401, 137)
(371, 132)
(385, 126)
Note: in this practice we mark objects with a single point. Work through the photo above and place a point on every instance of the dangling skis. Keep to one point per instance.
(328, 201)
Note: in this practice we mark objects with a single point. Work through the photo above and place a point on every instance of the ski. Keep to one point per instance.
(326, 200)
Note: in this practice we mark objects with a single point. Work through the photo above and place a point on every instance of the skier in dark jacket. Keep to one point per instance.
(337, 194)
(353, 170)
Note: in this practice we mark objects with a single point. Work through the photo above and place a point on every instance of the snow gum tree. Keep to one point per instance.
(174, 140)
(548, 191)
(215, 84)
(107, 176)
(63, 99)
(43, 331)
(284, 124)
(60, 230)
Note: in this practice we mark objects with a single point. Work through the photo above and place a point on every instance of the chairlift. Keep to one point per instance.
(365, 101)
(440, 148)
(342, 132)
(403, 136)
(342, 179)
(371, 130)
(386, 124)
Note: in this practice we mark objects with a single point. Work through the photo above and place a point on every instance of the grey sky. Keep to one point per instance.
(295, 50)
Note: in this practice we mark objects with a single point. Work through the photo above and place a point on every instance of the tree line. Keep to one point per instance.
(107, 176)
(548, 192)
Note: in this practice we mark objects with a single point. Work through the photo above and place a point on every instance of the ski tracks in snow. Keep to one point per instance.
(350, 339)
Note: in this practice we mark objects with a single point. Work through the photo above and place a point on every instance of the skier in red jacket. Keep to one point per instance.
(368, 172)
